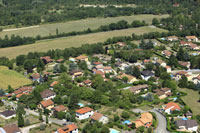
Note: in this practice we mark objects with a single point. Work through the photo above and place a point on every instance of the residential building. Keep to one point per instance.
(161, 63)
(47, 94)
(82, 58)
(46, 59)
(167, 53)
(171, 106)
(99, 117)
(137, 89)
(191, 38)
(76, 73)
(146, 74)
(11, 128)
(169, 69)
(59, 108)
(71, 128)
(146, 120)
(196, 80)
(131, 78)
(84, 113)
(172, 38)
(184, 64)
(7, 114)
(46, 104)
(189, 125)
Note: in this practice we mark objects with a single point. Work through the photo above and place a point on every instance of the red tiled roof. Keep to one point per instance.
(173, 106)
(47, 103)
(54, 83)
(96, 116)
(190, 37)
(84, 110)
(67, 128)
(46, 58)
(60, 108)
(81, 57)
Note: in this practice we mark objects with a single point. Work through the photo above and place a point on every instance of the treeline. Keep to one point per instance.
(17, 40)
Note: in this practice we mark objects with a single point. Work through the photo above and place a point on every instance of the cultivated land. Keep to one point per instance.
(191, 99)
(73, 41)
(11, 77)
(80, 25)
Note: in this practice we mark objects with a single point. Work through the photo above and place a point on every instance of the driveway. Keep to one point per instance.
(162, 122)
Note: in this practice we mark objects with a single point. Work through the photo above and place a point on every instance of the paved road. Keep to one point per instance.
(162, 122)
(27, 129)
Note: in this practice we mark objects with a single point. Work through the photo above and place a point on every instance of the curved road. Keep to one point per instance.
(162, 122)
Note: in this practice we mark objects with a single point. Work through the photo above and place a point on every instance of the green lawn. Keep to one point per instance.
(79, 25)
(11, 77)
(191, 99)
(48, 129)
(73, 41)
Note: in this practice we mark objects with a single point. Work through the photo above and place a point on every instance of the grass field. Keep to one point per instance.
(10, 77)
(80, 25)
(191, 99)
(48, 129)
(73, 41)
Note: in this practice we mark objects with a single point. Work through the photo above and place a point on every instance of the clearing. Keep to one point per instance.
(11, 77)
(79, 25)
(191, 99)
(73, 41)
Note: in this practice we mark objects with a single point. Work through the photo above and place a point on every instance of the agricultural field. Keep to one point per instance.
(79, 25)
(191, 99)
(10, 77)
(73, 41)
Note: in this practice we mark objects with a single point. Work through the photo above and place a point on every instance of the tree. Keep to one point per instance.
(125, 79)
(116, 118)
(40, 115)
(183, 82)
(20, 120)
(20, 60)
(141, 129)
(180, 54)
(61, 115)
(125, 115)
(165, 76)
(133, 125)
(10, 89)
(136, 72)
(40, 66)
(47, 119)
(155, 21)
(58, 100)
(173, 61)
(82, 65)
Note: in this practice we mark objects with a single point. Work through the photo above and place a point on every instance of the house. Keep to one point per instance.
(194, 47)
(82, 58)
(99, 73)
(97, 63)
(161, 63)
(87, 82)
(53, 83)
(59, 108)
(179, 75)
(47, 94)
(172, 38)
(11, 128)
(191, 38)
(76, 73)
(196, 80)
(171, 106)
(84, 113)
(167, 53)
(131, 78)
(163, 92)
(188, 114)
(137, 89)
(22, 91)
(60, 60)
(7, 114)
(168, 69)
(99, 117)
(176, 5)
(36, 77)
(184, 64)
(121, 44)
(146, 74)
(46, 104)
(71, 128)
(189, 125)
(145, 120)
(46, 59)
(146, 61)
(184, 43)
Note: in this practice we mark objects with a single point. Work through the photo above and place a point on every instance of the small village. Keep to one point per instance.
(117, 92)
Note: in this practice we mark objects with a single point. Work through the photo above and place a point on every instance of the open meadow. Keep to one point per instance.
(73, 41)
(79, 25)
(191, 99)
(11, 77)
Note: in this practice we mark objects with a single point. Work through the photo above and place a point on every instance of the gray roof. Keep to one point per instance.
(186, 123)
(8, 113)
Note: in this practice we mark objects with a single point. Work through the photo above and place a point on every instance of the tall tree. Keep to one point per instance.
(20, 120)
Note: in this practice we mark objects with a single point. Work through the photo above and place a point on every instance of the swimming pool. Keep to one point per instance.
(113, 131)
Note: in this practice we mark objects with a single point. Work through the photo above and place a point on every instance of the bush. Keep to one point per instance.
(27, 122)
(42, 127)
